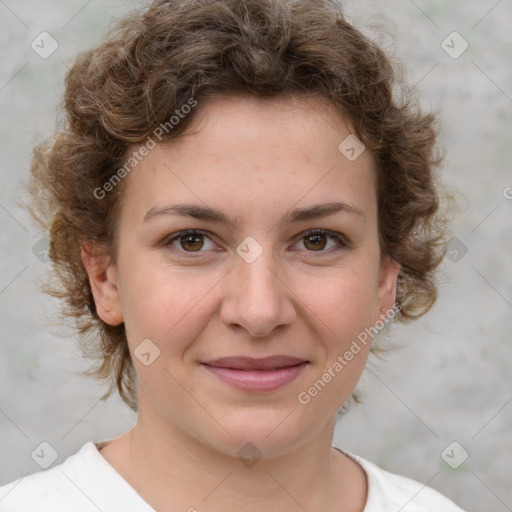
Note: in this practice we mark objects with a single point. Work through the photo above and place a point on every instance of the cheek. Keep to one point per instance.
(171, 304)
(343, 300)
(162, 303)
(346, 311)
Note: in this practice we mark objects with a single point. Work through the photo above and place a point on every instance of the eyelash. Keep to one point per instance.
(340, 239)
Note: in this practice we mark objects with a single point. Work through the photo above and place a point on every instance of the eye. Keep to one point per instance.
(316, 240)
(189, 241)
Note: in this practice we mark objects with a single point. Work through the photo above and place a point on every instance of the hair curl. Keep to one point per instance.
(156, 59)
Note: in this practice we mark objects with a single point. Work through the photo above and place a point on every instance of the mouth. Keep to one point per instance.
(249, 363)
(256, 375)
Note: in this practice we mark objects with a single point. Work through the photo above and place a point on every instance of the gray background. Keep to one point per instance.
(450, 382)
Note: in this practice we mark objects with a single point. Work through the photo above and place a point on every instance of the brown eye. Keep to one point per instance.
(191, 243)
(315, 241)
(323, 242)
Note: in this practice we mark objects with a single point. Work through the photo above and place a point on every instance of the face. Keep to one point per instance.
(273, 252)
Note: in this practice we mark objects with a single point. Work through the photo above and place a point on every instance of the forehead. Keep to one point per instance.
(257, 154)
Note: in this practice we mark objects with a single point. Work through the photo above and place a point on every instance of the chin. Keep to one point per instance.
(258, 433)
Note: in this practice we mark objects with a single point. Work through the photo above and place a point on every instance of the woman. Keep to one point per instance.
(236, 206)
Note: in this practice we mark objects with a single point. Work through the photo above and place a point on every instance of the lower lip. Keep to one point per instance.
(257, 380)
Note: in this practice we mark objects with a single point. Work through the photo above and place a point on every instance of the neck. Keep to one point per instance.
(170, 468)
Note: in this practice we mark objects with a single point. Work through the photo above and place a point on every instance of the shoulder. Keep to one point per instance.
(389, 491)
(84, 482)
(46, 489)
(53, 489)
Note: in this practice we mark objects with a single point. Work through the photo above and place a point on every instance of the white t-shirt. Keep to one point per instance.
(86, 482)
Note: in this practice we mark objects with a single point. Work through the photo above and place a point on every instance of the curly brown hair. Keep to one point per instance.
(158, 58)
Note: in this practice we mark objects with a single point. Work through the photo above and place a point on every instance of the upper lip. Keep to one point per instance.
(249, 363)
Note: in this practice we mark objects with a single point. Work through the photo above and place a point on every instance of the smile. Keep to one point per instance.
(257, 375)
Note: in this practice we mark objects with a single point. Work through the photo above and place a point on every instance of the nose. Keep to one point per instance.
(257, 297)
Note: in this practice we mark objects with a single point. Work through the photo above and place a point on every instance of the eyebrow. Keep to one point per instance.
(210, 214)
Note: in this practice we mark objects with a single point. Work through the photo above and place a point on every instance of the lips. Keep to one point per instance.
(248, 363)
(256, 375)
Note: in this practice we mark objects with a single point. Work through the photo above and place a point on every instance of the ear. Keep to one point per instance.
(386, 294)
(103, 279)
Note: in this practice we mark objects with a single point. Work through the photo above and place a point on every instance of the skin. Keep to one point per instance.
(255, 160)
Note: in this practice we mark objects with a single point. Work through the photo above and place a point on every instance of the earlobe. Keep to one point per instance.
(103, 279)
